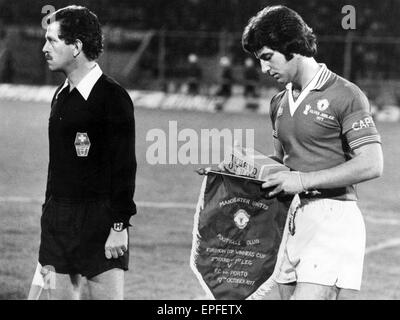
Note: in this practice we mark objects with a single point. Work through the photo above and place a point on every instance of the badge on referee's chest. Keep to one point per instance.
(82, 144)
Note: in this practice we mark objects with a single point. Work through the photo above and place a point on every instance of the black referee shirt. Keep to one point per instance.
(92, 147)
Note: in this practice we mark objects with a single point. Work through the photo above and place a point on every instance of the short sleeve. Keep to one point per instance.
(358, 126)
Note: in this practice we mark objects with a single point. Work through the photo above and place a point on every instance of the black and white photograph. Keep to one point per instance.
(199, 150)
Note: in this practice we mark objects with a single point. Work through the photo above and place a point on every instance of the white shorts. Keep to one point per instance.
(327, 247)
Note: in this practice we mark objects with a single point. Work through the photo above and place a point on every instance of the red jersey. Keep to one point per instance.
(330, 118)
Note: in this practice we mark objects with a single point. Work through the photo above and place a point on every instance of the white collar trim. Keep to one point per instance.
(86, 85)
(317, 82)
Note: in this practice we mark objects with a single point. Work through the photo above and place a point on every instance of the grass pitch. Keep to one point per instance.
(161, 237)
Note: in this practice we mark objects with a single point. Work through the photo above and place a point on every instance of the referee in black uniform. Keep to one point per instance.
(92, 166)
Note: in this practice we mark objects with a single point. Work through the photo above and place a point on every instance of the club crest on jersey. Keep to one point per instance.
(322, 105)
(82, 144)
(241, 219)
(319, 114)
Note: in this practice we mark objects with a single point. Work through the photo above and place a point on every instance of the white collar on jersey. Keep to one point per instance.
(316, 83)
(86, 85)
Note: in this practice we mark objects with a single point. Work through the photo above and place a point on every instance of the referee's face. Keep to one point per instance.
(275, 64)
(58, 54)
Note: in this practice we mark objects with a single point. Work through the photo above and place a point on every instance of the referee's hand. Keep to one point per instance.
(116, 244)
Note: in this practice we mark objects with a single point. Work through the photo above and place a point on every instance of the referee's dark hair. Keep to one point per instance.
(282, 29)
(77, 22)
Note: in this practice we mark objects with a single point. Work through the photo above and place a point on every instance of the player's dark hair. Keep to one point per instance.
(77, 22)
(282, 29)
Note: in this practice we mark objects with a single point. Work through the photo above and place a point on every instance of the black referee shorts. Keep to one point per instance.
(73, 237)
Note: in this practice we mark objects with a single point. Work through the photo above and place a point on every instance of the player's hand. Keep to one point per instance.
(288, 182)
(116, 244)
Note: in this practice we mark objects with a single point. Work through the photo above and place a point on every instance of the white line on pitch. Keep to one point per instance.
(391, 243)
(182, 205)
(143, 204)
(392, 222)
(21, 199)
(178, 205)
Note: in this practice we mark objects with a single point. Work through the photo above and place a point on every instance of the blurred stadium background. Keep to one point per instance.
(148, 44)
(182, 60)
